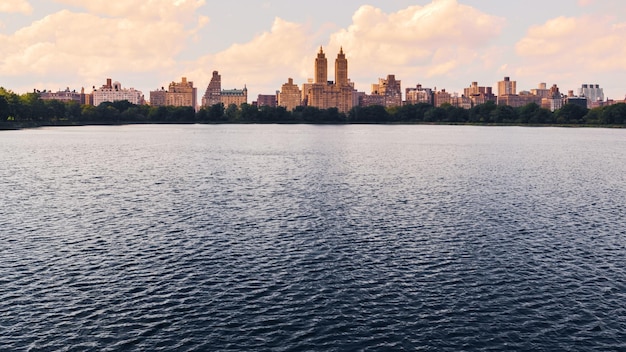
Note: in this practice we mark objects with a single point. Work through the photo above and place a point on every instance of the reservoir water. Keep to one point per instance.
(312, 238)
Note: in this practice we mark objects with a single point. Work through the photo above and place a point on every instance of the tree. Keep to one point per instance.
(570, 113)
(503, 114)
(614, 114)
(482, 112)
(437, 114)
(232, 113)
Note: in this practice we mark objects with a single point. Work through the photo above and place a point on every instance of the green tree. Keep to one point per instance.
(614, 114)
(482, 113)
(232, 113)
(571, 113)
(503, 114)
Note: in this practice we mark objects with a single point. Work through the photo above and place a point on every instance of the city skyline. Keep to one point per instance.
(443, 44)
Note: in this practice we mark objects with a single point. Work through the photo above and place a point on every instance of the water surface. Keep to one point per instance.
(318, 238)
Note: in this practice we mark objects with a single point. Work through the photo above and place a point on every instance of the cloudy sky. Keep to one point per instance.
(447, 44)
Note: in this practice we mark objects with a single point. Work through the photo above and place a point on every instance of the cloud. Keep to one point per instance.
(560, 44)
(584, 3)
(430, 40)
(426, 40)
(109, 38)
(265, 62)
(574, 50)
(140, 9)
(16, 6)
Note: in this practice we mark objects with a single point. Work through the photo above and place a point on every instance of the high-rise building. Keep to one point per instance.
(442, 97)
(387, 92)
(326, 94)
(177, 94)
(592, 92)
(541, 91)
(479, 95)
(213, 92)
(111, 92)
(554, 100)
(290, 95)
(507, 87)
(419, 95)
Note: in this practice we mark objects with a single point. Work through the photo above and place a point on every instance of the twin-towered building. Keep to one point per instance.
(325, 94)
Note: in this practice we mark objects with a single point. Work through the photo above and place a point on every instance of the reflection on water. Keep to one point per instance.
(312, 238)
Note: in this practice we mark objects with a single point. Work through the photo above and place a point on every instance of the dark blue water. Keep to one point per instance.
(309, 238)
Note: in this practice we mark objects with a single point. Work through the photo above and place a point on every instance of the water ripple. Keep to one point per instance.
(294, 238)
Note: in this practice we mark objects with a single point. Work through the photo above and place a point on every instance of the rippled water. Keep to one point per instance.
(313, 238)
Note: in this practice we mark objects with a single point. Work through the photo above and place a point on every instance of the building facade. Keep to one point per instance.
(234, 96)
(479, 95)
(64, 95)
(213, 92)
(592, 92)
(177, 94)
(507, 87)
(387, 92)
(419, 95)
(112, 91)
(266, 100)
(326, 94)
(290, 96)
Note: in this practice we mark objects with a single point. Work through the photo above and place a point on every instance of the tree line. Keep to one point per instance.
(28, 110)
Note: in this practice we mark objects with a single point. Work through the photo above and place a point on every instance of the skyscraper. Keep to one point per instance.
(324, 94)
(213, 92)
(507, 87)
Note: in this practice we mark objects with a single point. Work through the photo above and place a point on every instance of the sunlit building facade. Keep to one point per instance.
(113, 91)
(326, 94)
(290, 96)
(178, 94)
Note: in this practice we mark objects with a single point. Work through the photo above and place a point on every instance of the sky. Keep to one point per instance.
(442, 44)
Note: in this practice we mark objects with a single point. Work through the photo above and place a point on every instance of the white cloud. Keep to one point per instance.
(110, 38)
(141, 9)
(16, 6)
(561, 45)
(430, 40)
(570, 51)
(263, 63)
(424, 41)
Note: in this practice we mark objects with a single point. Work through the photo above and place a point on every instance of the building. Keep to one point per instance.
(441, 97)
(387, 92)
(63, 95)
(541, 91)
(111, 92)
(576, 100)
(554, 100)
(177, 94)
(592, 92)
(213, 92)
(507, 95)
(326, 94)
(266, 100)
(290, 96)
(461, 101)
(518, 100)
(507, 87)
(419, 95)
(479, 95)
(234, 96)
